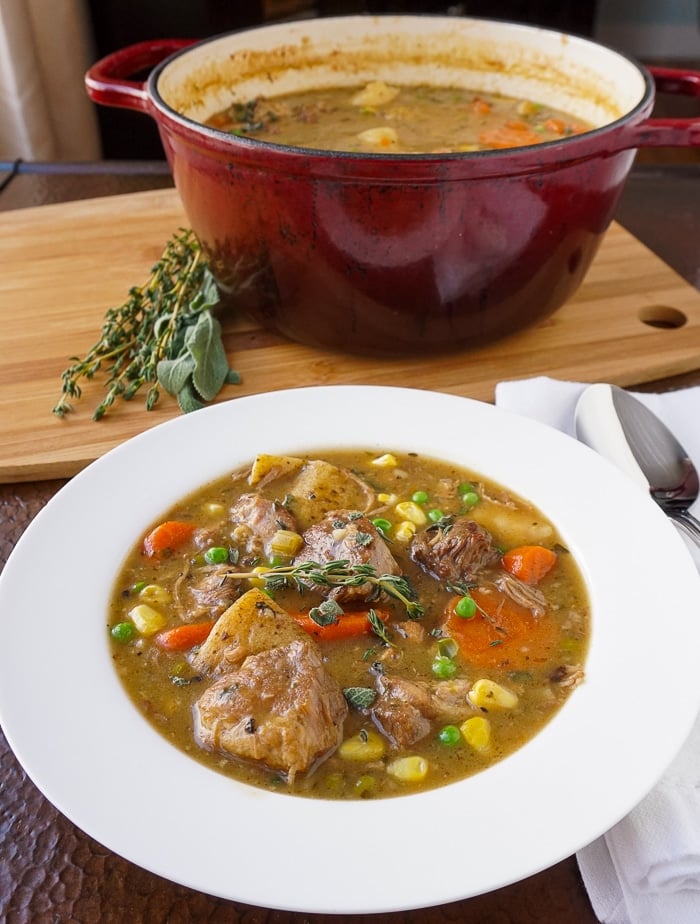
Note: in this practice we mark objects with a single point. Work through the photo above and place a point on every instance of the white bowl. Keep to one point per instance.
(95, 757)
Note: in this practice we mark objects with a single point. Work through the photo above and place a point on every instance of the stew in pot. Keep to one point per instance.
(380, 118)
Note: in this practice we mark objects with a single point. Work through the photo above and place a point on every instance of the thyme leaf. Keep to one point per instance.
(379, 629)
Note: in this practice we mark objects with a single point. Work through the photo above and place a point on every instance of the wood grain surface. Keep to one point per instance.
(64, 265)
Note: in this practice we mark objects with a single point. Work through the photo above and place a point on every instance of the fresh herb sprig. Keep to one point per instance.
(336, 573)
(163, 336)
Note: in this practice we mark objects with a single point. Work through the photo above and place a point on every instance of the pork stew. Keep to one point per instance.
(350, 624)
(381, 118)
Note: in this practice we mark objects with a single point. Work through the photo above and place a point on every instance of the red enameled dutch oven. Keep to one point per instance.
(390, 254)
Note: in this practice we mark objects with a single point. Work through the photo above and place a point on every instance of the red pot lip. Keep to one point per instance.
(509, 161)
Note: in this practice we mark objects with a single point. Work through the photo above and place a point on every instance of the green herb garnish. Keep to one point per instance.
(360, 697)
(337, 573)
(379, 629)
(326, 614)
(163, 336)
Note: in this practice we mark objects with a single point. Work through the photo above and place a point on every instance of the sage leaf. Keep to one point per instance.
(207, 349)
(173, 374)
(360, 697)
(188, 399)
(326, 613)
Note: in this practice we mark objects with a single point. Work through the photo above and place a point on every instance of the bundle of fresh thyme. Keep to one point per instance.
(163, 336)
(337, 573)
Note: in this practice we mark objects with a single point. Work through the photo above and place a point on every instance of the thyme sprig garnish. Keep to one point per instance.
(163, 336)
(336, 573)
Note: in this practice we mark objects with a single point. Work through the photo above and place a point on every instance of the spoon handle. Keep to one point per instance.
(689, 523)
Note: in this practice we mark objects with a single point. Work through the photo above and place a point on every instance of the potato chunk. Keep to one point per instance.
(252, 624)
(375, 93)
(266, 468)
(321, 487)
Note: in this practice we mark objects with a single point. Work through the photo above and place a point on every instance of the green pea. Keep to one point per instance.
(466, 607)
(420, 497)
(384, 526)
(216, 555)
(470, 498)
(435, 515)
(449, 735)
(138, 587)
(123, 631)
(444, 668)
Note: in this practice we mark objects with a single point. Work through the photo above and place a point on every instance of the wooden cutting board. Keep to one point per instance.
(64, 265)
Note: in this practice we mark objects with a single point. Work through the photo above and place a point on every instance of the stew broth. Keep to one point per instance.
(391, 119)
(469, 641)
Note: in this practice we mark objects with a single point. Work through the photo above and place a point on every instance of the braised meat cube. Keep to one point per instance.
(206, 591)
(281, 708)
(454, 552)
(405, 709)
(346, 536)
(256, 520)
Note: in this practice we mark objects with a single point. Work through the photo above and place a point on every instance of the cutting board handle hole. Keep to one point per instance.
(662, 316)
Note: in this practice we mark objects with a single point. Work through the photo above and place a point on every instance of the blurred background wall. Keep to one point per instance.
(46, 46)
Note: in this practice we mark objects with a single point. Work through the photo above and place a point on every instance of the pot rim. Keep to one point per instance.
(573, 147)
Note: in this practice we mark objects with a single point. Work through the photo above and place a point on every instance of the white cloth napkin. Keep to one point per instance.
(646, 869)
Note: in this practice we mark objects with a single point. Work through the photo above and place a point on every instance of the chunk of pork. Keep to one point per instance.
(405, 709)
(281, 708)
(255, 520)
(454, 552)
(348, 537)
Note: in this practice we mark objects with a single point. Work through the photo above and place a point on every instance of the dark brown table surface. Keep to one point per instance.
(50, 871)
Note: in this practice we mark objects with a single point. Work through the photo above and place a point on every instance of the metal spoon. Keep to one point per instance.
(625, 431)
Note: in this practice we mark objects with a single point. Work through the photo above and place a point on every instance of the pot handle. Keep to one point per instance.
(655, 133)
(106, 81)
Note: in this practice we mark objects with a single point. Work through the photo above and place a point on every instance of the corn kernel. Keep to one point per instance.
(214, 510)
(405, 531)
(487, 694)
(366, 745)
(258, 582)
(364, 785)
(408, 510)
(413, 769)
(154, 593)
(387, 498)
(386, 461)
(147, 620)
(477, 733)
(286, 542)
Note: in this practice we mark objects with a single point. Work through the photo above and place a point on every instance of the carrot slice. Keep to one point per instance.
(502, 632)
(166, 537)
(348, 625)
(512, 134)
(184, 637)
(529, 563)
